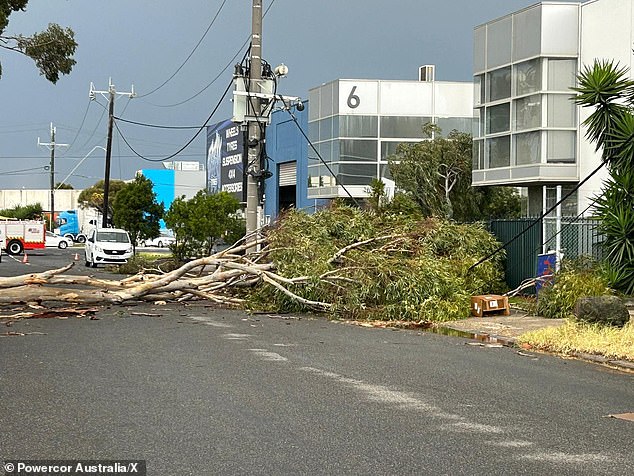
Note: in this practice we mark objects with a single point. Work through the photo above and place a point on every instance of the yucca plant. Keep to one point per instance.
(606, 87)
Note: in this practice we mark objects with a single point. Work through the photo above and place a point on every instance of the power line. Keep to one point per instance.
(337, 181)
(227, 66)
(190, 54)
(158, 126)
(538, 219)
(72, 143)
(189, 142)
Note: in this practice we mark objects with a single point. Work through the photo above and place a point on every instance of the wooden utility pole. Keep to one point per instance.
(255, 124)
(112, 95)
(52, 145)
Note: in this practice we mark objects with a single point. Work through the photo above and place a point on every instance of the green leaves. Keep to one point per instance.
(52, 50)
(136, 210)
(607, 88)
(202, 221)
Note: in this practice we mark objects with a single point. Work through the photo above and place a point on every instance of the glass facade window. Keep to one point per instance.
(357, 150)
(561, 74)
(499, 84)
(325, 129)
(498, 118)
(313, 131)
(528, 112)
(562, 110)
(356, 174)
(406, 127)
(561, 146)
(384, 171)
(568, 206)
(388, 148)
(527, 148)
(461, 124)
(478, 89)
(528, 77)
(498, 152)
(478, 122)
(478, 155)
(358, 126)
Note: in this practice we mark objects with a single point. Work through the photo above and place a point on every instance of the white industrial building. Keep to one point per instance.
(355, 124)
(529, 131)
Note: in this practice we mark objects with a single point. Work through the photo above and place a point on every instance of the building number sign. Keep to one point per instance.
(353, 99)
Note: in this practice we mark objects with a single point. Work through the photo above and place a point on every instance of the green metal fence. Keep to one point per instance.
(577, 237)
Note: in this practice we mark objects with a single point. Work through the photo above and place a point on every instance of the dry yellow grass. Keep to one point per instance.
(573, 337)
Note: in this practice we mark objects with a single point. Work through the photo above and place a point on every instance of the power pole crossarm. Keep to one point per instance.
(52, 145)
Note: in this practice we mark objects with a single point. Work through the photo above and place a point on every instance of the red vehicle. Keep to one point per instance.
(20, 235)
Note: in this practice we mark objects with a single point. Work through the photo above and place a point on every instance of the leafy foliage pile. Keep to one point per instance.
(576, 279)
(407, 269)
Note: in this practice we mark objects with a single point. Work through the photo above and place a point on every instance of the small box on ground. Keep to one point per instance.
(490, 304)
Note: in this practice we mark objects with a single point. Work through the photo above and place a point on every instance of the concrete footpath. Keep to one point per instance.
(506, 329)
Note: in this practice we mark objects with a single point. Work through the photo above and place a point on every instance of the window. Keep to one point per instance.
(461, 124)
(498, 118)
(561, 146)
(561, 110)
(405, 127)
(528, 112)
(499, 84)
(528, 77)
(388, 149)
(358, 126)
(561, 74)
(499, 152)
(478, 89)
(527, 148)
(357, 150)
(356, 174)
(478, 154)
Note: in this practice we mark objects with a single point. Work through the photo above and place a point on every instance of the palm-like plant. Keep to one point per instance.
(607, 88)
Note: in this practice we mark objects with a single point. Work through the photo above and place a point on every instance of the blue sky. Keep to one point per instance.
(143, 42)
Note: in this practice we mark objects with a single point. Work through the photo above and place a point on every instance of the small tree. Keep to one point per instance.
(137, 211)
(92, 197)
(201, 222)
(436, 174)
(26, 212)
(606, 87)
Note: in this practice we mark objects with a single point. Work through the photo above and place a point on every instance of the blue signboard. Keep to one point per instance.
(226, 160)
(546, 266)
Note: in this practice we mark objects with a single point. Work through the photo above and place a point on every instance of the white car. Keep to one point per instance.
(162, 241)
(56, 241)
(107, 246)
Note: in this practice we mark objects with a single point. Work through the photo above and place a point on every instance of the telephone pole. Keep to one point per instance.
(111, 94)
(51, 146)
(254, 130)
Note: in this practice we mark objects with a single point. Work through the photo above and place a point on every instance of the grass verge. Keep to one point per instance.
(574, 338)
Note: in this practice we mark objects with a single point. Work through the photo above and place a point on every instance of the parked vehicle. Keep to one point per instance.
(107, 246)
(56, 241)
(160, 242)
(20, 235)
(74, 225)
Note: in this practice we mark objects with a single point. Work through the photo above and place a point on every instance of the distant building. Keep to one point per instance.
(356, 124)
(529, 131)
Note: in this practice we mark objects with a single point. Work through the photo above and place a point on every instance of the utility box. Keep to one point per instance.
(490, 304)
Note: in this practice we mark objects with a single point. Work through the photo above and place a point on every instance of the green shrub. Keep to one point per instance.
(141, 262)
(576, 279)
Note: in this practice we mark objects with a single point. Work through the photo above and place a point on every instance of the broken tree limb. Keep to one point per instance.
(35, 278)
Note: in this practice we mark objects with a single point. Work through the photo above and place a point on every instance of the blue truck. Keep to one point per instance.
(69, 226)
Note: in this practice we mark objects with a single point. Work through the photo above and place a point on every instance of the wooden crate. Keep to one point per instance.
(490, 304)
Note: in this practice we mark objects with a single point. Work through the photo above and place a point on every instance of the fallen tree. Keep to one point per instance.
(343, 261)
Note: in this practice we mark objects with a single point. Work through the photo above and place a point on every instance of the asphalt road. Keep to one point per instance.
(50, 258)
(200, 391)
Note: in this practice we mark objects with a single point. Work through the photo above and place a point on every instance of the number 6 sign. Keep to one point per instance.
(358, 97)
